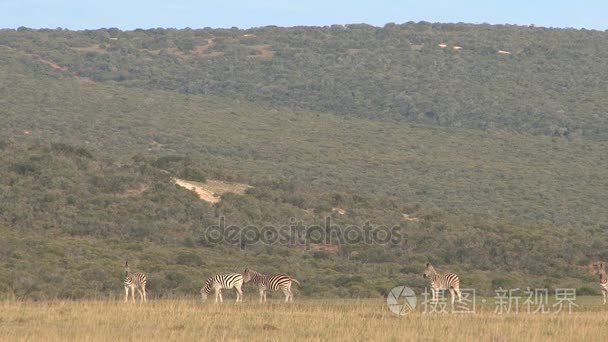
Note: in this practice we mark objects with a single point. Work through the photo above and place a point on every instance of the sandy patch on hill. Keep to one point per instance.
(340, 211)
(212, 190)
(410, 218)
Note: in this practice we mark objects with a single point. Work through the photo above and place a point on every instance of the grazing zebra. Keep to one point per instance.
(598, 268)
(270, 282)
(223, 281)
(449, 281)
(135, 281)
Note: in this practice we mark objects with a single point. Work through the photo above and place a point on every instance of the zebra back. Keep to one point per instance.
(603, 277)
(598, 268)
(136, 279)
(445, 281)
(441, 281)
(224, 281)
(271, 282)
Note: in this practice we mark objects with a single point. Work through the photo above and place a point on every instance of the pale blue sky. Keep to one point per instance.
(127, 14)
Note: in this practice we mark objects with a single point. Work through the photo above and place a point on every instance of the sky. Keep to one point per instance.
(132, 14)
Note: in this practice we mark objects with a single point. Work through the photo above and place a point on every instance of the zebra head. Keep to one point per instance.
(247, 275)
(429, 270)
(206, 290)
(127, 269)
(593, 268)
(596, 268)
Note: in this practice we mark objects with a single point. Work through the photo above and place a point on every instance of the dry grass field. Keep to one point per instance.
(311, 320)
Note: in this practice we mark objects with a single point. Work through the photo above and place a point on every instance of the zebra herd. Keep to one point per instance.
(235, 280)
(218, 282)
(438, 282)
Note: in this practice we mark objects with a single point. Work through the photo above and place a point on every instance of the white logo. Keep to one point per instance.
(401, 300)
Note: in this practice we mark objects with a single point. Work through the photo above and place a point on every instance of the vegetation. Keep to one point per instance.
(342, 320)
(503, 182)
(548, 81)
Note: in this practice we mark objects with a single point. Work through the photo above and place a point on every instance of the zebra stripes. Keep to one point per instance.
(223, 281)
(448, 281)
(598, 268)
(270, 282)
(135, 281)
(218, 282)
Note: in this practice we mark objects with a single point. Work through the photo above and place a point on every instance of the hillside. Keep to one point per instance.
(517, 177)
(514, 78)
(93, 134)
(68, 218)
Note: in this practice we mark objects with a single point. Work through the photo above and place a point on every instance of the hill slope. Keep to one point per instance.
(87, 160)
(551, 82)
(516, 177)
(68, 219)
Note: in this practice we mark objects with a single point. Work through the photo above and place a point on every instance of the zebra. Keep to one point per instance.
(598, 268)
(449, 281)
(223, 281)
(135, 281)
(270, 282)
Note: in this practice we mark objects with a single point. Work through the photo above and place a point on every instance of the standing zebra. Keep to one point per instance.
(134, 281)
(270, 282)
(223, 281)
(449, 281)
(598, 268)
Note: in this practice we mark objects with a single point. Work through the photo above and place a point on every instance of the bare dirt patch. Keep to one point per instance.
(54, 65)
(66, 70)
(329, 248)
(410, 218)
(201, 50)
(339, 211)
(212, 190)
(263, 51)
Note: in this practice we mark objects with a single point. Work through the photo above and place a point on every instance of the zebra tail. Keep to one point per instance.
(297, 282)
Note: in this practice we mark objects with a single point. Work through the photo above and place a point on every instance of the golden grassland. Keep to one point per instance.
(304, 319)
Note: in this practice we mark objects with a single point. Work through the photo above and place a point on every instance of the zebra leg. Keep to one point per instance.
(604, 294)
(261, 296)
(133, 293)
(452, 295)
(286, 293)
(141, 295)
(143, 288)
(217, 295)
(239, 293)
(126, 294)
(457, 289)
